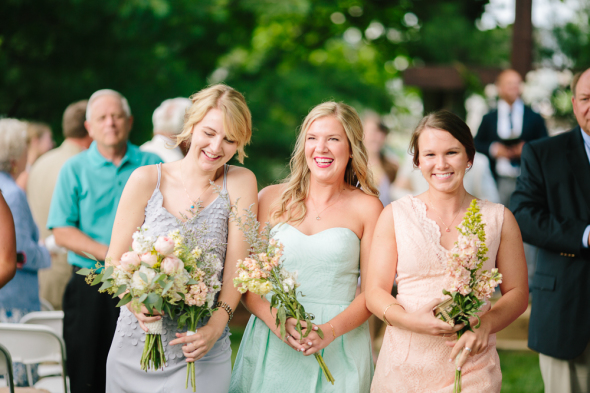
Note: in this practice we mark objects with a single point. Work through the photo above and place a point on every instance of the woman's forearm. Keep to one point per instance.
(509, 307)
(352, 317)
(260, 307)
(230, 296)
(7, 244)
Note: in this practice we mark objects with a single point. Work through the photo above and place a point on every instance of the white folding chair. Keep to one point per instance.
(6, 367)
(54, 320)
(31, 344)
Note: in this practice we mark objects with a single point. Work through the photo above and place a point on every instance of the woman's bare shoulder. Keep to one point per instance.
(271, 193)
(143, 179)
(365, 203)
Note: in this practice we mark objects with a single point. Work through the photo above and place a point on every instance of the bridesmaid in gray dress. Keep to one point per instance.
(217, 126)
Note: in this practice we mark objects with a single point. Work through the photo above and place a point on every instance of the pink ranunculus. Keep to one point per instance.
(130, 261)
(171, 265)
(149, 258)
(164, 245)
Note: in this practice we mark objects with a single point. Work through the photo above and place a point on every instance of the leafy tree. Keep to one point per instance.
(285, 56)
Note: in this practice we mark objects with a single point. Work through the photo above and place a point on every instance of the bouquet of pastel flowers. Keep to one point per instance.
(469, 286)
(262, 272)
(175, 274)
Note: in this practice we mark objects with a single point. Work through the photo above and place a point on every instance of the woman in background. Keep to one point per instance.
(39, 142)
(21, 295)
(384, 170)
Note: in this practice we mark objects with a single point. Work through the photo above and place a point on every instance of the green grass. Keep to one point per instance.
(236, 337)
(520, 370)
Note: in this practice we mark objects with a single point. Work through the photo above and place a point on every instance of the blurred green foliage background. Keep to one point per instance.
(286, 56)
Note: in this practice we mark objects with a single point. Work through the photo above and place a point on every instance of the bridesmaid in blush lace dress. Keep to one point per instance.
(411, 240)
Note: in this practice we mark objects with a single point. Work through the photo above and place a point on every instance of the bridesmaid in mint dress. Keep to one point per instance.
(325, 222)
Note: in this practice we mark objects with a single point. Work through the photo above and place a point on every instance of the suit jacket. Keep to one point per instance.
(533, 127)
(552, 206)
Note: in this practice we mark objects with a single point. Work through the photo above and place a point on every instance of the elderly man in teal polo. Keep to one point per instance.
(81, 216)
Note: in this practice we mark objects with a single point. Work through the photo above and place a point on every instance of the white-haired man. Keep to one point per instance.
(168, 120)
(81, 216)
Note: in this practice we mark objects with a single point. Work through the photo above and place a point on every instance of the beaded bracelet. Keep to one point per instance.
(227, 309)
(386, 308)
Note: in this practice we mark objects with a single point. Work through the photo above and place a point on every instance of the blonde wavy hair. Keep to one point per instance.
(292, 203)
(237, 120)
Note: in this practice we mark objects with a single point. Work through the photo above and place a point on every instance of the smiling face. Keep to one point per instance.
(327, 150)
(209, 144)
(443, 159)
(581, 102)
(108, 125)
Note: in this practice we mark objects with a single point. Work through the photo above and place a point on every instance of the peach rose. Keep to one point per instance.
(130, 261)
(171, 265)
(149, 258)
(164, 245)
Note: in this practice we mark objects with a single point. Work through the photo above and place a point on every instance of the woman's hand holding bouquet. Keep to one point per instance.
(262, 273)
(177, 274)
(470, 288)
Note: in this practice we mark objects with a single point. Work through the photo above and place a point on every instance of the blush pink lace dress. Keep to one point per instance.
(413, 362)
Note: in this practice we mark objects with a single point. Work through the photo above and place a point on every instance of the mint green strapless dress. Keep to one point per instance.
(328, 267)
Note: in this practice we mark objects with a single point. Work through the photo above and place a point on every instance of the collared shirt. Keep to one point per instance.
(163, 147)
(510, 121)
(587, 146)
(88, 191)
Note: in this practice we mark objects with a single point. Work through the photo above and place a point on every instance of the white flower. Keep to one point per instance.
(120, 277)
(288, 284)
(138, 283)
(141, 243)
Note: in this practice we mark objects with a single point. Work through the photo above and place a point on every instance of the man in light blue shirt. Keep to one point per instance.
(552, 206)
(81, 216)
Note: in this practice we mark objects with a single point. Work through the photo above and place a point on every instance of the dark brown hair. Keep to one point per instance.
(445, 121)
(73, 120)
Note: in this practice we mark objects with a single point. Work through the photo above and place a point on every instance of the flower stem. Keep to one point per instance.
(324, 368)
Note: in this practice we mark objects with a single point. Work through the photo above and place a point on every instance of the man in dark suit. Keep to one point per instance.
(552, 206)
(504, 131)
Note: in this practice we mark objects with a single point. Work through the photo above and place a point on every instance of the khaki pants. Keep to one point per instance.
(53, 281)
(566, 376)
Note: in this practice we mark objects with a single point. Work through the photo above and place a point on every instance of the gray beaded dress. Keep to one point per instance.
(213, 371)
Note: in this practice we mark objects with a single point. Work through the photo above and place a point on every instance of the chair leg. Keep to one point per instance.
(29, 375)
